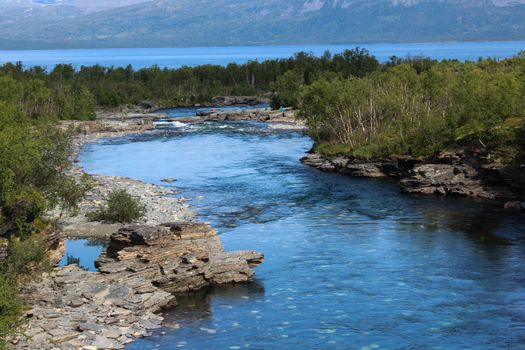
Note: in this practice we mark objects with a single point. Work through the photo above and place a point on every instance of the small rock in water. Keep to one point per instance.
(515, 205)
(169, 180)
(208, 330)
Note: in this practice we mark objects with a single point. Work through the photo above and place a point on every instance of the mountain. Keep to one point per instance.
(163, 23)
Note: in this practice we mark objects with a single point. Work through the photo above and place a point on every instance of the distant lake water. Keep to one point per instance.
(193, 56)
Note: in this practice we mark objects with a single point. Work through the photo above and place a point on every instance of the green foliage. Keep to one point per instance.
(26, 257)
(356, 62)
(33, 160)
(286, 89)
(69, 94)
(121, 207)
(72, 191)
(420, 108)
(332, 149)
(84, 105)
(11, 308)
(34, 155)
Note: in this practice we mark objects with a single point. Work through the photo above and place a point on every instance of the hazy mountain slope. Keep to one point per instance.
(132, 23)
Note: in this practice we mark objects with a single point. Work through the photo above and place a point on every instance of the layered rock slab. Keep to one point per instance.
(176, 257)
(142, 269)
(450, 174)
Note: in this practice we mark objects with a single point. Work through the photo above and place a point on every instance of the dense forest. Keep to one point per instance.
(353, 105)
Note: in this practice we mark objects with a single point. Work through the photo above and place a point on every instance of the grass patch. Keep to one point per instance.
(332, 149)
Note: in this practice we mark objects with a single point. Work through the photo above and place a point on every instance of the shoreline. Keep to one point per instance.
(450, 174)
(143, 269)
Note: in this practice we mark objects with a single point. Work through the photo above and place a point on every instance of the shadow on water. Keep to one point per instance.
(197, 307)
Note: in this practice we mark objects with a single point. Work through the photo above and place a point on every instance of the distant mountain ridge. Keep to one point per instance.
(164, 23)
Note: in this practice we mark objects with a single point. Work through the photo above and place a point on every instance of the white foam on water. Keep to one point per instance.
(178, 124)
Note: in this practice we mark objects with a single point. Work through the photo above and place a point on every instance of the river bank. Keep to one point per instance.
(143, 269)
(457, 174)
(141, 272)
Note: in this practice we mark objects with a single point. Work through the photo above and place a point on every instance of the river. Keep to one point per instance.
(194, 56)
(350, 263)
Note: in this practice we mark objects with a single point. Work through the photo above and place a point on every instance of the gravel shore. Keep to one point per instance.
(145, 265)
(161, 203)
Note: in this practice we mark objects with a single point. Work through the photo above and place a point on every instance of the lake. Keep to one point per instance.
(177, 57)
(350, 263)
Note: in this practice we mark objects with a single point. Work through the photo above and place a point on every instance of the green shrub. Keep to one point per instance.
(121, 207)
(11, 308)
(403, 110)
(286, 89)
(34, 156)
(333, 149)
(72, 192)
(26, 258)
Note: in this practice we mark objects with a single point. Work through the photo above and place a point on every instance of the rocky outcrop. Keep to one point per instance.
(56, 248)
(140, 273)
(358, 168)
(515, 205)
(447, 174)
(177, 257)
(461, 180)
(258, 114)
(239, 100)
(321, 163)
(126, 124)
(285, 120)
(76, 309)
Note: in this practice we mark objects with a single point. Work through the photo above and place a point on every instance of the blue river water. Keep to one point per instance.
(193, 56)
(350, 263)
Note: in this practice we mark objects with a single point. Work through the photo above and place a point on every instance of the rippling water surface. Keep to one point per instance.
(350, 263)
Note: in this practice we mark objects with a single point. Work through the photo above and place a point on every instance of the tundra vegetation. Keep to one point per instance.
(419, 107)
(120, 207)
(353, 105)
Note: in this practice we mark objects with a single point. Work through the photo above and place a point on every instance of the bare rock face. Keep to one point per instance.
(319, 162)
(176, 257)
(515, 206)
(461, 180)
(451, 173)
(359, 168)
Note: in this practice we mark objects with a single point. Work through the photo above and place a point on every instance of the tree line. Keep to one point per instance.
(67, 93)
